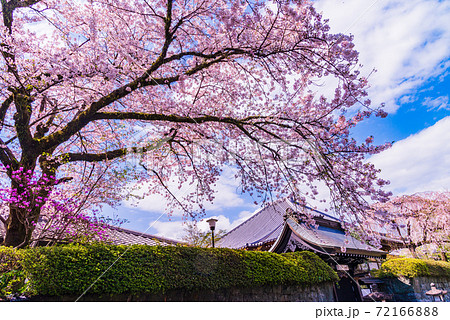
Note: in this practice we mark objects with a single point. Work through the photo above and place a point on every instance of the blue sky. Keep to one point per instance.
(408, 43)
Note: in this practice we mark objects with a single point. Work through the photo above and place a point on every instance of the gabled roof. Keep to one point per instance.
(271, 226)
(264, 226)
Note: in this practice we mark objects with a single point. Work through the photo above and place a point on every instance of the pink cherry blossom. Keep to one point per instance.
(419, 219)
(164, 92)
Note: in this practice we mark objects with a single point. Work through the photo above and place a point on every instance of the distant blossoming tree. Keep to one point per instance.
(418, 219)
(157, 89)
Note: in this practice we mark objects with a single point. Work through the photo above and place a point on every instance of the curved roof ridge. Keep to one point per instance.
(254, 215)
(323, 213)
(292, 203)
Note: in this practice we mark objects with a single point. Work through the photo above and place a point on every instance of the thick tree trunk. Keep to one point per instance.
(20, 226)
(16, 229)
(443, 256)
(22, 218)
(412, 249)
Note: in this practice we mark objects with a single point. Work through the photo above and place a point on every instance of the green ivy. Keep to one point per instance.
(411, 268)
(139, 269)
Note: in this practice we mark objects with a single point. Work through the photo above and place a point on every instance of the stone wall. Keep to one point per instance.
(318, 293)
(422, 285)
(414, 289)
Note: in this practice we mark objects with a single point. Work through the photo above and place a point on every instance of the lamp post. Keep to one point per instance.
(212, 226)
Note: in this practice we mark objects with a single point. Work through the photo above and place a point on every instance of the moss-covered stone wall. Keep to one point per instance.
(321, 292)
(408, 267)
(409, 279)
(144, 272)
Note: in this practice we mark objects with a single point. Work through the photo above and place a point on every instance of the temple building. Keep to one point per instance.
(281, 227)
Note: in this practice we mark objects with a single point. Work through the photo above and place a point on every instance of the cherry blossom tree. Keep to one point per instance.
(158, 91)
(64, 215)
(419, 219)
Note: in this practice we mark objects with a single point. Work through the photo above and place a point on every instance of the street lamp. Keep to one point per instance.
(212, 226)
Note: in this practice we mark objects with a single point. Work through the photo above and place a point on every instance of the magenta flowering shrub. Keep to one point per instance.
(28, 190)
(62, 218)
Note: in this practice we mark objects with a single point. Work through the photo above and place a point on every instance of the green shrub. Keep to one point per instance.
(12, 276)
(411, 268)
(139, 269)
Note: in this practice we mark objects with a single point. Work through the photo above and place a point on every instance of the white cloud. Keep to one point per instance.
(406, 41)
(226, 196)
(436, 103)
(420, 162)
(176, 229)
(224, 222)
(169, 229)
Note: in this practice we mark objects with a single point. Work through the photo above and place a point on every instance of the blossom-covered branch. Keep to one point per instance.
(157, 91)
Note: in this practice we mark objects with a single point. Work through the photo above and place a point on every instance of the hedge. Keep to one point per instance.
(140, 269)
(12, 277)
(412, 268)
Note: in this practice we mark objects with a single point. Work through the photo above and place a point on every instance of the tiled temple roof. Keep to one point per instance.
(267, 225)
(126, 237)
(264, 226)
(329, 238)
